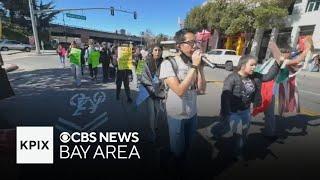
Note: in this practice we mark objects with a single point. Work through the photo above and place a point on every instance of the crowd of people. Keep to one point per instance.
(172, 85)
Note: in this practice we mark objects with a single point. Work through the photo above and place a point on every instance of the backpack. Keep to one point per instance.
(175, 69)
(164, 91)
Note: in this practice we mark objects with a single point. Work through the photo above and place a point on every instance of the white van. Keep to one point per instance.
(169, 48)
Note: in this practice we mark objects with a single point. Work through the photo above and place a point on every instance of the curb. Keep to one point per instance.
(13, 53)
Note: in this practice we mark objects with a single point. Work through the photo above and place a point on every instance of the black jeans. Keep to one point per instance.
(123, 76)
(82, 68)
(93, 71)
(105, 70)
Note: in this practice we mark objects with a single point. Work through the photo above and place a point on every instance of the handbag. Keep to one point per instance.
(5, 87)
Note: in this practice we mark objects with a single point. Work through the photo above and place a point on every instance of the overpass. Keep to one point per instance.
(68, 33)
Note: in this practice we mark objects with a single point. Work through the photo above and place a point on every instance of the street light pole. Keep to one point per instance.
(34, 27)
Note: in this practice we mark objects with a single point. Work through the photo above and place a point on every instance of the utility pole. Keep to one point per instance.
(34, 27)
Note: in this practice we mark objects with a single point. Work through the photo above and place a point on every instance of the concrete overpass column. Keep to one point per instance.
(295, 36)
(273, 37)
(256, 42)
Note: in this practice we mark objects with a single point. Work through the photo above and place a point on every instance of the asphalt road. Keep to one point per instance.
(46, 95)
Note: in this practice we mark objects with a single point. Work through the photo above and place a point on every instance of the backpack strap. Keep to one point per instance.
(174, 65)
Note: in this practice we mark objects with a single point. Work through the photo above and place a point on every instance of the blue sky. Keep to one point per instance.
(159, 16)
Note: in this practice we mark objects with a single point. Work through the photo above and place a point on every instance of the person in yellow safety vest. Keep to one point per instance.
(94, 61)
(74, 54)
(93, 55)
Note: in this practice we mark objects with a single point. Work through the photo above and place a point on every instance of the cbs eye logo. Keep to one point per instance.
(78, 137)
(65, 137)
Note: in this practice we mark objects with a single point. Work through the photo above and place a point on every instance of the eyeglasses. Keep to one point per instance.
(190, 43)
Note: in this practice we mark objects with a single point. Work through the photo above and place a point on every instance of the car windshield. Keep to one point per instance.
(215, 52)
(230, 53)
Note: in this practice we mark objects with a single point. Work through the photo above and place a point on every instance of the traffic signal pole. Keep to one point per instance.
(34, 26)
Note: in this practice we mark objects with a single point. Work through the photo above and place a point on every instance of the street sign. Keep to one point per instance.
(76, 16)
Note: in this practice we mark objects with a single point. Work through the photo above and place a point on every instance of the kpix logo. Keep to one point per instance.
(34, 145)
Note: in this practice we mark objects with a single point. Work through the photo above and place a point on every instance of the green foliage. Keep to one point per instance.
(10, 33)
(268, 16)
(44, 19)
(214, 13)
(195, 19)
(238, 16)
(19, 12)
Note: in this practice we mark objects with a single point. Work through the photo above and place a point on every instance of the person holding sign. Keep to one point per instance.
(93, 56)
(75, 59)
(124, 63)
(148, 72)
(94, 61)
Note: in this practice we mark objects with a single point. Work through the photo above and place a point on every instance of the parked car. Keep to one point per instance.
(6, 45)
(223, 57)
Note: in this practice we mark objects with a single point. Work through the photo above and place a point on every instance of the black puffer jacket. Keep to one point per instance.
(232, 99)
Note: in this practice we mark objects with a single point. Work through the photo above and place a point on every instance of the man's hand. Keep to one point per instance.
(196, 58)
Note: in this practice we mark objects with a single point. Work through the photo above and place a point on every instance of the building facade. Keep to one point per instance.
(305, 20)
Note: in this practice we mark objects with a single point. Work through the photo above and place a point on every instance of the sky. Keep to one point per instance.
(159, 16)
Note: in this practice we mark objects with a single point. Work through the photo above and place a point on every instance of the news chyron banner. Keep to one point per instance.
(35, 145)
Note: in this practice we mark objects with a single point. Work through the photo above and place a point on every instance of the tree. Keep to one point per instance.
(161, 37)
(196, 19)
(44, 19)
(214, 12)
(236, 18)
(16, 8)
(19, 13)
(270, 13)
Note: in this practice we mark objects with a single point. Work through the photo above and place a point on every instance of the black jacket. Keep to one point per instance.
(233, 88)
(105, 56)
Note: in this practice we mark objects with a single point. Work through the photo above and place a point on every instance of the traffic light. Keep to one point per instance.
(135, 15)
(112, 11)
